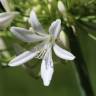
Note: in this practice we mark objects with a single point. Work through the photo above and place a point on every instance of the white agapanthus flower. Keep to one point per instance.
(44, 49)
(6, 17)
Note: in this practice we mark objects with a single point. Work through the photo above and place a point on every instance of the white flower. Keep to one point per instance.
(6, 17)
(44, 49)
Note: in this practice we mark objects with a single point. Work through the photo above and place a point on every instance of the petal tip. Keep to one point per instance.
(46, 84)
(11, 65)
(12, 29)
(14, 64)
(59, 21)
(32, 13)
(73, 57)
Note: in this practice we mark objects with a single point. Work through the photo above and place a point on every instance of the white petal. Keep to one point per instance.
(23, 58)
(47, 69)
(5, 4)
(26, 35)
(55, 28)
(33, 20)
(6, 18)
(62, 53)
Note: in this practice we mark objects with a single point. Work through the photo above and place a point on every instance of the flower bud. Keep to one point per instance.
(64, 39)
(61, 7)
(49, 7)
(49, 1)
(37, 8)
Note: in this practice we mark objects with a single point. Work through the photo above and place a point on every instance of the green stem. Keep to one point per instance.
(80, 63)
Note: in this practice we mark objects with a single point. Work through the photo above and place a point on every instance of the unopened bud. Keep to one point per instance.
(61, 7)
(37, 8)
(49, 7)
(64, 39)
(49, 1)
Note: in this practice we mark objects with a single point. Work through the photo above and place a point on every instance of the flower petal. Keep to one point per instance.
(47, 69)
(5, 4)
(55, 28)
(6, 18)
(26, 35)
(62, 53)
(23, 58)
(33, 20)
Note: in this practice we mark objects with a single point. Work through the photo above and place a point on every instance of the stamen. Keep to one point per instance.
(42, 48)
(42, 51)
(41, 54)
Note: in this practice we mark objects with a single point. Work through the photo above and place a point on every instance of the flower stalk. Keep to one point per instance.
(80, 63)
